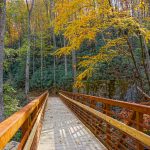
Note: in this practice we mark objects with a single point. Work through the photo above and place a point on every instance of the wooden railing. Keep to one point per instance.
(27, 121)
(118, 125)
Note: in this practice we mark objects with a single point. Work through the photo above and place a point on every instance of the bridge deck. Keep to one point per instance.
(62, 130)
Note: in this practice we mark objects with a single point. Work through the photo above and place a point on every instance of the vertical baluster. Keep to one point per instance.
(93, 104)
(139, 122)
(108, 133)
(25, 126)
(24, 129)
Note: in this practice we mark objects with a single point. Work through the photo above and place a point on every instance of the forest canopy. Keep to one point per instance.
(96, 47)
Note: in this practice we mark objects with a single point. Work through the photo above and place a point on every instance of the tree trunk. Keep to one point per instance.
(41, 60)
(134, 62)
(33, 60)
(27, 71)
(54, 69)
(65, 57)
(147, 56)
(54, 44)
(74, 68)
(27, 60)
(2, 31)
(66, 68)
(52, 16)
(146, 67)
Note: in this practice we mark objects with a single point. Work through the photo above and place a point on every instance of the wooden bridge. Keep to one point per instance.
(78, 122)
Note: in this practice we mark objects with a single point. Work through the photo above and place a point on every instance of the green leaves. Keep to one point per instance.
(11, 104)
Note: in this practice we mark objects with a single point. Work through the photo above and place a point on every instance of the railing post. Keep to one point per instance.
(93, 104)
(116, 132)
(108, 137)
(139, 122)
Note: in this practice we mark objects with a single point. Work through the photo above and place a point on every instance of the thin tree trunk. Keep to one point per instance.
(27, 60)
(52, 16)
(147, 56)
(134, 62)
(65, 57)
(33, 61)
(2, 31)
(54, 44)
(66, 68)
(144, 64)
(41, 61)
(29, 46)
(74, 68)
(54, 71)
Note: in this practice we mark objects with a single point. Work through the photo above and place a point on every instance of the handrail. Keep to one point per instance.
(134, 106)
(36, 127)
(103, 121)
(21, 119)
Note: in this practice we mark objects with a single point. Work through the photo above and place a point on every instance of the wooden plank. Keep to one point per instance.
(64, 131)
(140, 136)
(10, 126)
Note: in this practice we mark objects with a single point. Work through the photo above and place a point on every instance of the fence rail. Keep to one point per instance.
(117, 124)
(24, 121)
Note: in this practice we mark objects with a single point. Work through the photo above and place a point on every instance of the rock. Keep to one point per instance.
(12, 145)
(132, 94)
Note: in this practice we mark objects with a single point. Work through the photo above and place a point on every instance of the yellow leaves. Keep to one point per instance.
(63, 51)
(145, 33)
(68, 11)
(141, 5)
(82, 20)
(147, 19)
(132, 26)
(147, 36)
(86, 73)
(115, 42)
(40, 20)
(105, 54)
(78, 34)
(79, 30)
(90, 64)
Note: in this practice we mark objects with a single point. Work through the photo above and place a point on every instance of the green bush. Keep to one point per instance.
(11, 104)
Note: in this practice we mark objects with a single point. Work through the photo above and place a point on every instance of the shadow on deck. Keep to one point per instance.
(62, 130)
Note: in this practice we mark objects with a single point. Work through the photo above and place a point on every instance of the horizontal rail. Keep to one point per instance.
(129, 130)
(30, 140)
(135, 107)
(21, 120)
(100, 115)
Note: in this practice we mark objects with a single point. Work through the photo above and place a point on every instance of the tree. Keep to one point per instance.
(65, 58)
(2, 31)
(52, 17)
(82, 20)
(29, 9)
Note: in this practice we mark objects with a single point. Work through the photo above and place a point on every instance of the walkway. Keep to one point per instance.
(62, 130)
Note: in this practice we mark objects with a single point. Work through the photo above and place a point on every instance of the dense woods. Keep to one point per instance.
(97, 47)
